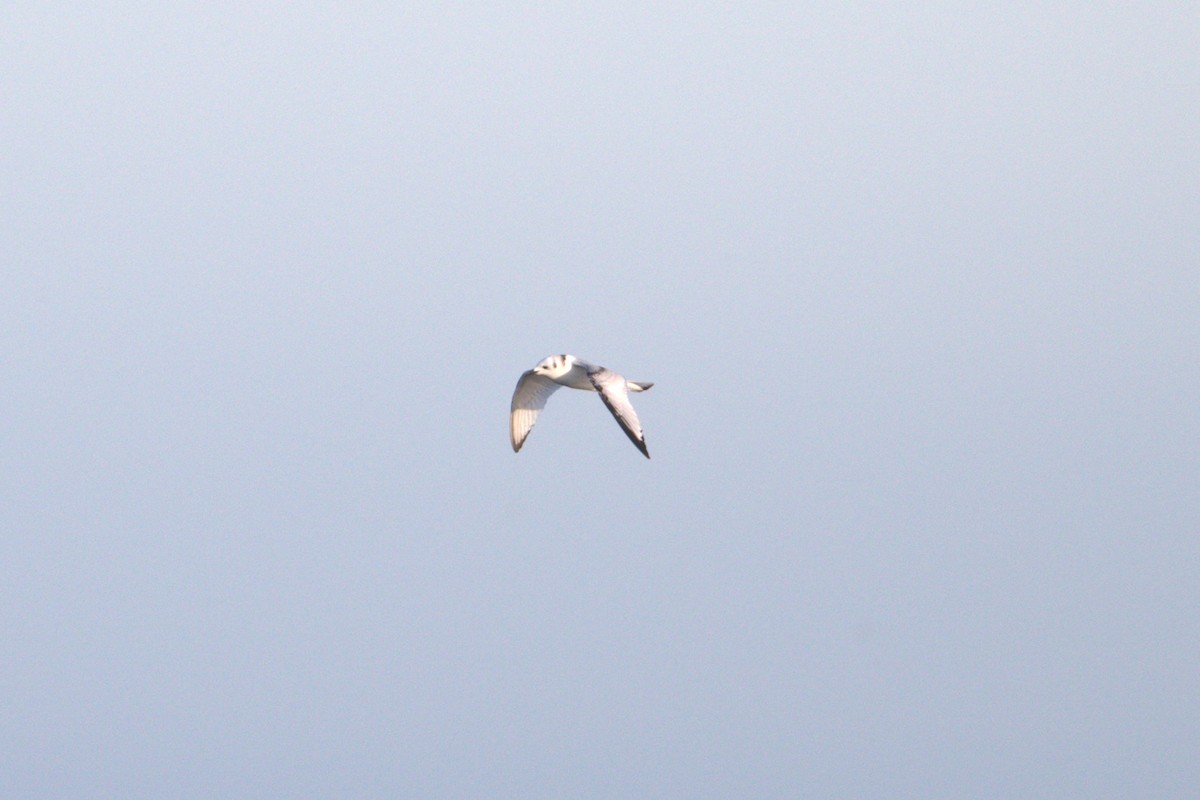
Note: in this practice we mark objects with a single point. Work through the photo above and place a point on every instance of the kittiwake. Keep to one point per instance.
(536, 385)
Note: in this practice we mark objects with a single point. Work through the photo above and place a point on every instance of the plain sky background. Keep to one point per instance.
(918, 285)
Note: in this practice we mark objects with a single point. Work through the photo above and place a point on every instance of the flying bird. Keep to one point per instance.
(536, 385)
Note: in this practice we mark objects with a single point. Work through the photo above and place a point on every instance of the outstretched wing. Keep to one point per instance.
(615, 394)
(528, 400)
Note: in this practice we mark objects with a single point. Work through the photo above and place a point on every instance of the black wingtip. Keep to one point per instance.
(638, 440)
(640, 444)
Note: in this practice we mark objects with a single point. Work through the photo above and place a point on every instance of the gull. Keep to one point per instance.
(536, 385)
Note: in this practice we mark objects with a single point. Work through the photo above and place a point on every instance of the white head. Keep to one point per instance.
(555, 366)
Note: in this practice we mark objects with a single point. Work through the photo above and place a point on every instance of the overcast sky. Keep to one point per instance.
(918, 286)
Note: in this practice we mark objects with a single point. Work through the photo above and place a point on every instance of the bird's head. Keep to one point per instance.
(555, 366)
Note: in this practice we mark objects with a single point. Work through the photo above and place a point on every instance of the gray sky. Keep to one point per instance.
(918, 289)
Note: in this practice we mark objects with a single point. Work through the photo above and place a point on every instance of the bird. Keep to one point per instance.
(536, 385)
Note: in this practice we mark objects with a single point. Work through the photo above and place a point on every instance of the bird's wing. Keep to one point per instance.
(615, 394)
(528, 400)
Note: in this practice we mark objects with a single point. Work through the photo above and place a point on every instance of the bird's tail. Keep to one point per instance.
(634, 386)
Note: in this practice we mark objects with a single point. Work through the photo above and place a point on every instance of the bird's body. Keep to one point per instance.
(537, 384)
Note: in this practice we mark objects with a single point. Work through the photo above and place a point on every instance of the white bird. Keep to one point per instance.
(536, 385)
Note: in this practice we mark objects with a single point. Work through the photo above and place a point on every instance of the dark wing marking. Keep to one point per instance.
(615, 394)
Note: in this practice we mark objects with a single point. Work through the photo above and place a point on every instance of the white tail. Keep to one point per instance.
(634, 386)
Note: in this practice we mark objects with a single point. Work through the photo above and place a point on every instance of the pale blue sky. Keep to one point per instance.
(918, 289)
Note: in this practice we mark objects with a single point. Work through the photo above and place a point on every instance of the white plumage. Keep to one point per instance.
(536, 385)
